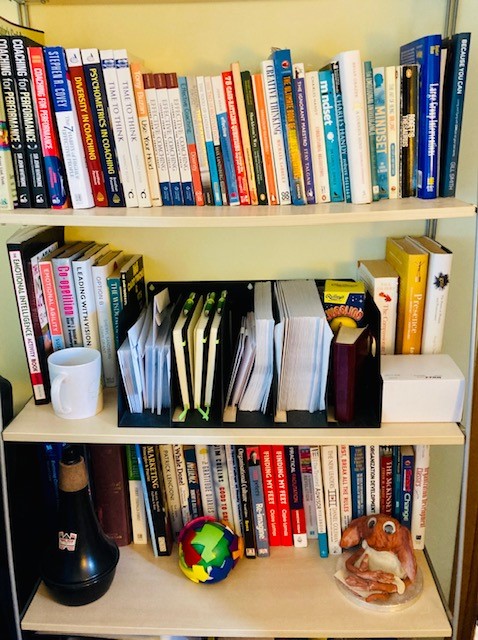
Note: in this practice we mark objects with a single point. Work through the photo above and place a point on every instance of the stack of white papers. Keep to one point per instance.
(302, 340)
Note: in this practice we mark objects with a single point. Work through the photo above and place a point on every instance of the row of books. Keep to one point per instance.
(272, 495)
(103, 131)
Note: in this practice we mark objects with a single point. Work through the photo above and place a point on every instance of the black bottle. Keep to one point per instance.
(78, 566)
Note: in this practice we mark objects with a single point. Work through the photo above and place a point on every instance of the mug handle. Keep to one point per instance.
(56, 395)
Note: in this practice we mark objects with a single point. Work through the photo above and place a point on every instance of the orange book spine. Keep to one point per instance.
(267, 159)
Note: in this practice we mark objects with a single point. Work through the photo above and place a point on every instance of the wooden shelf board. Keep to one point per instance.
(291, 594)
(257, 216)
(39, 424)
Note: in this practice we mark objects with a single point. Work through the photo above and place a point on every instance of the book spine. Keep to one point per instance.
(147, 499)
(331, 497)
(195, 505)
(68, 128)
(454, 93)
(265, 138)
(331, 135)
(146, 135)
(372, 136)
(345, 483)
(208, 140)
(316, 464)
(208, 498)
(15, 124)
(271, 96)
(65, 289)
(381, 130)
(392, 119)
(52, 305)
(26, 323)
(372, 475)
(397, 481)
(339, 110)
(165, 119)
(436, 301)
(180, 137)
(270, 495)
(118, 127)
(234, 127)
(158, 139)
(357, 474)
(95, 86)
(217, 454)
(170, 478)
(225, 140)
(254, 136)
(136, 498)
(183, 487)
(303, 131)
(408, 101)
(420, 495)
(198, 127)
(258, 502)
(116, 305)
(233, 474)
(125, 88)
(221, 170)
(386, 480)
(85, 297)
(384, 292)
(308, 491)
(317, 137)
(249, 533)
(407, 484)
(34, 156)
(111, 491)
(279, 461)
(8, 189)
(191, 141)
(54, 169)
(296, 498)
(85, 119)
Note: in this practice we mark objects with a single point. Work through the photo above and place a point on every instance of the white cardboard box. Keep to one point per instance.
(421, 388)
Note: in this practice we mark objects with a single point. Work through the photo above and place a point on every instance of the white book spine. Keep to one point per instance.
(180, 134)
(198, 130)
(118, 126)
(277, 136)
(420, 495)
(308, 492)
(372, 479)
(138, 512)
(355, 115)
(222, 490)
(214, 129)
(392, 116)
(86, 303)
(182, 477)
(317, 137)
(125, 87)
(345, 486)
(330, 477)
(168, 134)
(69, 312)
(157, 135)
(8, 189)
(166, 452)
(235, 488)
(206, 481)
(317, 478)
(438, 286)
(20, 286)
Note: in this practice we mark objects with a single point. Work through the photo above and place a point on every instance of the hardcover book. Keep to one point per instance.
(409, 117)
(350, 348)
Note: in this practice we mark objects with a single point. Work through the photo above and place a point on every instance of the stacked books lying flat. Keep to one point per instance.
(350, 131)
(245, 354)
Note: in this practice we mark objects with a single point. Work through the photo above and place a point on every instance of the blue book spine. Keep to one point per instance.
(332, 148)
(407, 480)
(397, 480)
(283, 73)
(195, 506)
(380, 131)
(304, 137)
(211, 159)
(456, 67)
(369, 96)
(357, 477)
(339, 106)
(226, 147)
(426, 52)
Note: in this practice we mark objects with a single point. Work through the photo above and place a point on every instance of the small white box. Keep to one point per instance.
(421, 388)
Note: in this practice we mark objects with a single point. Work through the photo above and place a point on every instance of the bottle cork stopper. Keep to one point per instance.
(73, 477)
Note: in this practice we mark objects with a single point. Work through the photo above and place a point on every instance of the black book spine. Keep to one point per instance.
(250, 548)
(253, 127)
(408, 130)
(34, 155)
(15, 124)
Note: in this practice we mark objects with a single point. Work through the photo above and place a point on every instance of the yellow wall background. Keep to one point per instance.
(203, 38)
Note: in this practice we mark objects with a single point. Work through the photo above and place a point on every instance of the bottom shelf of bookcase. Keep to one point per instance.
(291, 594)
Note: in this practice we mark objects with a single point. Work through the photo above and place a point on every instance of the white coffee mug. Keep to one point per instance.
(76, 386)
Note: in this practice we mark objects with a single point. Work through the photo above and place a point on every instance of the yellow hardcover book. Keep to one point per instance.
(411, 264)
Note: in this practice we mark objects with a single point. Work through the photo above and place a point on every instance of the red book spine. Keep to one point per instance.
(279, 466)
(386, 482)
(270, 495)
(237, 152)
(90, 144)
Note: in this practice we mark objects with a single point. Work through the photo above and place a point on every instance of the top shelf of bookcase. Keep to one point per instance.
(247, 217)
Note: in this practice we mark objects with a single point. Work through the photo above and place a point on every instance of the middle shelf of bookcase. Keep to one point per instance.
(39, 424)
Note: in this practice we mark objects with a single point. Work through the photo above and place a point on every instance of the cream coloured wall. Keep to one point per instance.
(203, 38)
